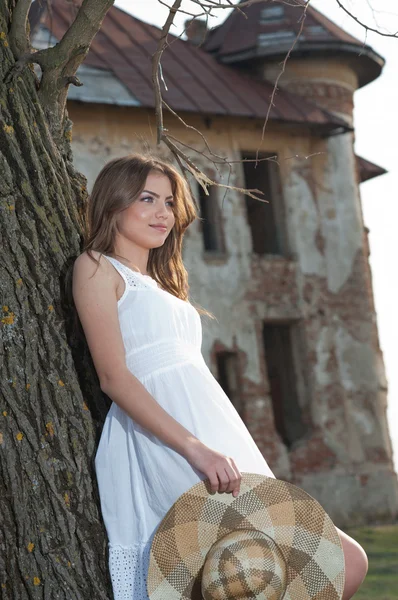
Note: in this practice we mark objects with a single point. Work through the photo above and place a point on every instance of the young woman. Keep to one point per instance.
(170, 423)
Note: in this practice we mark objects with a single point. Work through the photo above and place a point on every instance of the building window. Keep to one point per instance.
(266, 219)
(271, 14)
(210, 213)
(315, 30)
(228, 378)
(283, 382)
(276, 37)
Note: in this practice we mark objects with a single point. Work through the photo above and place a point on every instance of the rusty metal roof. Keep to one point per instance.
(271, 28)
(196, 81)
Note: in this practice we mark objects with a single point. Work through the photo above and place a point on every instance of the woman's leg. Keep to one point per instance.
(356, 564)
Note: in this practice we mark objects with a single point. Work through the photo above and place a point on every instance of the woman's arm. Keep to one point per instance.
(96, 303)
(95, 297)
(129, 393)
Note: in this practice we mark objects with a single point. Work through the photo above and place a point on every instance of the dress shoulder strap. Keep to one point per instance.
(131, 278)
(122, 269)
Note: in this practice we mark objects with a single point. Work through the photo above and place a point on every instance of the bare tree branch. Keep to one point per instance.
(176, 146)
(18, 35)
(60, 62)
(156, 67)
(203, 180)
(214, 4)
(275, 88)
(184, 12)
(184, 161)
(366, 27)
(193, 129)
(173, 143)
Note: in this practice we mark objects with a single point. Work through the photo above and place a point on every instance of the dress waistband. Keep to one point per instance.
(162, 355)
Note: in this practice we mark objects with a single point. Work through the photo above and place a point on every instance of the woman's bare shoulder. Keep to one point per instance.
(85, 258)
(87, 265)
(95, 271)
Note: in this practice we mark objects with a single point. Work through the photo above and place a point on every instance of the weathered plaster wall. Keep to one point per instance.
(323, 286)
(349, 384)
(348, 387)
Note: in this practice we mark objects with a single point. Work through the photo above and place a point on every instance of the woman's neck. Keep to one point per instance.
(133, 255)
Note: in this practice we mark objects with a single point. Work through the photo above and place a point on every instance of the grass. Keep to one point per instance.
(381, 545)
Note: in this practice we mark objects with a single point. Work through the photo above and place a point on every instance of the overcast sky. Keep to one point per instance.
(376, 126)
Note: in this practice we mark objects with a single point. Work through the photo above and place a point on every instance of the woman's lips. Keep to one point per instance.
(161, 228)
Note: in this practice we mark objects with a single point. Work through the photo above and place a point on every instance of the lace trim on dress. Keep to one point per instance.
(134, 279)
(128, 566)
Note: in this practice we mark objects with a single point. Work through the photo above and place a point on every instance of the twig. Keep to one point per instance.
(271, 104)
(212, 4)
(155, 68)
(191, 127)
(366, 27)
(183, 12)
(175, 145)
(202, 179)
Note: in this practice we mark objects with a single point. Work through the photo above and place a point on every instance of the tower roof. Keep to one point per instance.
(270, 29)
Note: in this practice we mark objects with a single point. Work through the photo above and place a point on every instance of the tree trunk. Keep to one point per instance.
(53, 542)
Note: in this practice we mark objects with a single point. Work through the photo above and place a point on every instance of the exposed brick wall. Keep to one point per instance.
(331, 96)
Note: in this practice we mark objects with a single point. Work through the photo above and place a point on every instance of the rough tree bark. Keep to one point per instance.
(52, 543)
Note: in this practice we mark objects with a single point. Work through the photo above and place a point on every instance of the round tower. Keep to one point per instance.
(325, 64)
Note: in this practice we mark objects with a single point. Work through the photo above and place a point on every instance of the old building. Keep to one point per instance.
(295, 342)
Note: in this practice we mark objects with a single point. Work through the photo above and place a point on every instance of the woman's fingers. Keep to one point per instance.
(238, 477)
(223, 478)
(214, 483)
(234, 481)
(229, 477)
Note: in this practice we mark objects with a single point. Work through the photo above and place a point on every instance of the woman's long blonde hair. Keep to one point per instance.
(117, 185)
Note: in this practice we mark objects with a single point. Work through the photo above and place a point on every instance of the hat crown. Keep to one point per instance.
(244, 563)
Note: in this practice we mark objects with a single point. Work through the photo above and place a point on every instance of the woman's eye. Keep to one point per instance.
(147, 198)
(171, 203)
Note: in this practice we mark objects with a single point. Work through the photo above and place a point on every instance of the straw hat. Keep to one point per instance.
(271, 542)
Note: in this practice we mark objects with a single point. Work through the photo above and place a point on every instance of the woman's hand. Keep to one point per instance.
(222, 472)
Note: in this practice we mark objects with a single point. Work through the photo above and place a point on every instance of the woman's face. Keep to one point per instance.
(149, 219)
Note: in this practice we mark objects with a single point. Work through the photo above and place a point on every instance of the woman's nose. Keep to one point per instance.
(161, 211)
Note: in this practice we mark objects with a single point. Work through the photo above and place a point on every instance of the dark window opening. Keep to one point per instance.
(283, 383)
(213, 237)
(227, 367)
(266, 219)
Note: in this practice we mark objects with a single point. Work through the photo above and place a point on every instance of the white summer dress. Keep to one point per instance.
(139, 477)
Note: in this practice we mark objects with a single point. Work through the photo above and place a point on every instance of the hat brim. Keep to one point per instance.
(295, 520)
